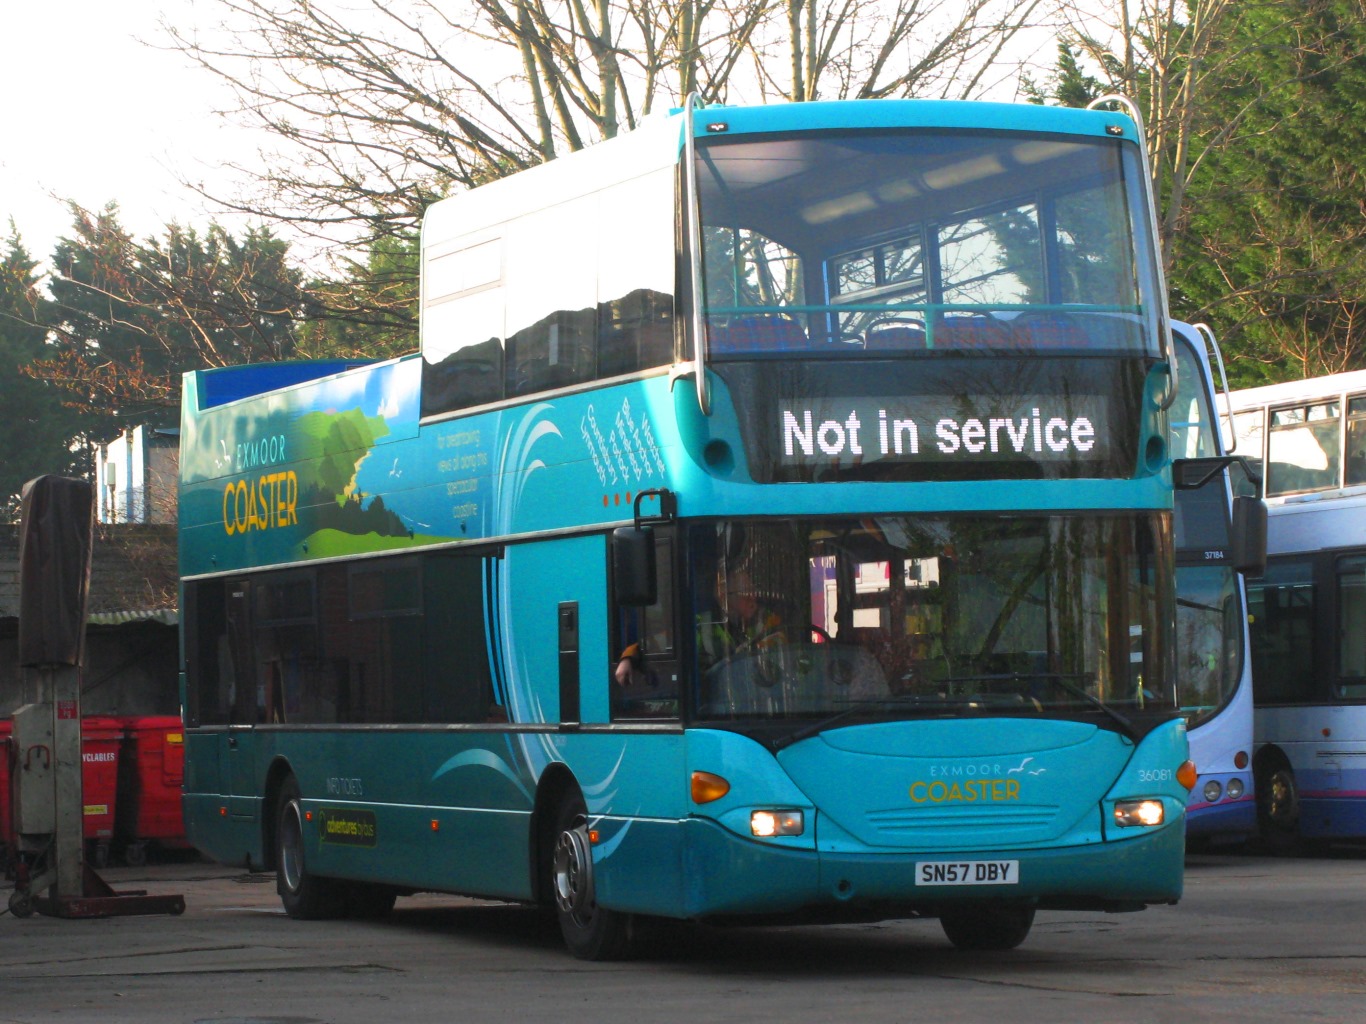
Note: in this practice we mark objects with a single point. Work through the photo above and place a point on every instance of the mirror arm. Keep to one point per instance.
(1212, 464)
(668, 507)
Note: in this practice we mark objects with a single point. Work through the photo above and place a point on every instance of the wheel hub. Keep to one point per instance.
(291, 843)
(1283, 804)
(574, 871)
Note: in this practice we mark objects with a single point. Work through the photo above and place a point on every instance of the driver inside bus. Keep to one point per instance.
(742, 624)
(745, 623)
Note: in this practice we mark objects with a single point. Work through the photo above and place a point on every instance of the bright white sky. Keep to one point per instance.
(91, 113)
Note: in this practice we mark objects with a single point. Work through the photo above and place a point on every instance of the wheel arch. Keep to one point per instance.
(280, 770)
(1268, 758)
(556, 782)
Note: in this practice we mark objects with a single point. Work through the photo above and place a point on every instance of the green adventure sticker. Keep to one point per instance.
(347, 826)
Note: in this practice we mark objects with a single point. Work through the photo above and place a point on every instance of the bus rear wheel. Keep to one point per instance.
(591, 932)
(1282, 804)
(987, 926)
(306, 897)
(1278, 805)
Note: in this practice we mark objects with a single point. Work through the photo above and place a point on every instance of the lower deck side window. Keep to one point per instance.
(390, 641)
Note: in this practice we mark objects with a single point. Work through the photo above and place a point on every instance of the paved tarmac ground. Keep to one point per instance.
(1255, 939)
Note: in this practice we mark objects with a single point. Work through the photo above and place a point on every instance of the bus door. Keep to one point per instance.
(237, 753)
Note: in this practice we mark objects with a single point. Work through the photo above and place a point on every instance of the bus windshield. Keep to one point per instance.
(901, 616)
(921, 240)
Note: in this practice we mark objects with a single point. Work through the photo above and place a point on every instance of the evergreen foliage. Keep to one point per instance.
(45, 433)
(1274, 253)
(1257, 141)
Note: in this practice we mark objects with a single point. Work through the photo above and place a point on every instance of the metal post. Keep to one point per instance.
(54, 580)
(63, 685)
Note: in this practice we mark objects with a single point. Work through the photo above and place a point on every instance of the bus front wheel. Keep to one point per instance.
(591, 932)
(305, 897)
(987, 926)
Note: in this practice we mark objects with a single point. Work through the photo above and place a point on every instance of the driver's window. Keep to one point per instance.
(645, 670)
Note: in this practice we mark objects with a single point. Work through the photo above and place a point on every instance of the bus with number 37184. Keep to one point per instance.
(776, 523)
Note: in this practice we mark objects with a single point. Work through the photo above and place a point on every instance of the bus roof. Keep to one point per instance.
(1300, 390)
(831, 114)
(656, 144)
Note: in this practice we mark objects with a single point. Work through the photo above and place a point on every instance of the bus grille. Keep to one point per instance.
(903, 822)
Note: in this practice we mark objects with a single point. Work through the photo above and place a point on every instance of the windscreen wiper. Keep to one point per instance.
(819, 726)
(909, 700)
(1062, 682)
(1118, 717)
(949, 700)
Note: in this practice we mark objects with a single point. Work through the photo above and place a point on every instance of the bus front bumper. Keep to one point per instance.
(721, 874)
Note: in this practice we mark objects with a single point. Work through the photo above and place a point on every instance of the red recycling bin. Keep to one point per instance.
(155, 748)
(101, 739)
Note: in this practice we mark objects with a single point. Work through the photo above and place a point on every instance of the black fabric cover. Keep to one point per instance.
(54, 569)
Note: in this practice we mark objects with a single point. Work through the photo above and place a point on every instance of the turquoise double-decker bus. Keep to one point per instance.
(776, 523)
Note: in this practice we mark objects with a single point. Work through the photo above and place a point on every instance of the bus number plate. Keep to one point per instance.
(967, 872)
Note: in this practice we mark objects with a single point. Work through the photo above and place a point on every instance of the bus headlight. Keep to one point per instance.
(1136, 813)
(1235, 788)
(1213, 791)
(776, 823)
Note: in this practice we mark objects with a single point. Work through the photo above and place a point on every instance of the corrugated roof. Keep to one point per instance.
(131, 564)
(165, 616)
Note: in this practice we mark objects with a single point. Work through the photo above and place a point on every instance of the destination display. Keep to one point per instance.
(957, 428)
(942, 419)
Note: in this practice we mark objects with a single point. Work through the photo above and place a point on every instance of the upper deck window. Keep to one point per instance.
(558, 294)
(919, 240)
(1194, 424)
(1356, 440)
(1201, 514)
(1249, 432)
(1304, 448)
(1311, 446)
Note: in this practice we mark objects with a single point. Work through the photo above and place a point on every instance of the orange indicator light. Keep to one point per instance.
(222, 812)
(707, 787)
(436, 825)
(308, 815)
(1187, 775)
(592, 835)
